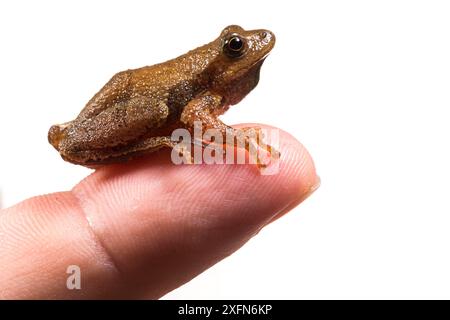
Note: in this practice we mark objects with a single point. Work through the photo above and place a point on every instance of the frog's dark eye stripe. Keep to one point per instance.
(234, 46)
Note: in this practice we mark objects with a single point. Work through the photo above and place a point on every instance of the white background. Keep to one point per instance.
(365, 85)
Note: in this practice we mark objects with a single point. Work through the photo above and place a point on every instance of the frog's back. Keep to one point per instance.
(165, 84)
(182, 76)
(173, 83)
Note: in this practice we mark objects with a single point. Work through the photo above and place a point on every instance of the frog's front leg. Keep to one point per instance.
(206, 109)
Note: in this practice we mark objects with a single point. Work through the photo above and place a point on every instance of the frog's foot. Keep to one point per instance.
(248, 138)
(261, 153)
(183, 153)
(273, 154)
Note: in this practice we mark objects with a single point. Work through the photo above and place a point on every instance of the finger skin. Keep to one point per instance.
(141, 229)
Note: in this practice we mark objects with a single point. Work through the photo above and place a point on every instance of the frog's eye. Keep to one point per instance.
(234, 46)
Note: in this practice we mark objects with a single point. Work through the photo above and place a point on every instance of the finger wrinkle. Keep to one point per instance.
(80, 200)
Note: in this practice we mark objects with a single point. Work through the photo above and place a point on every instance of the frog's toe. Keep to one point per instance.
(54, 136)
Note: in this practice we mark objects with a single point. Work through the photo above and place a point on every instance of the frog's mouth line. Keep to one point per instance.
(254, 66)
(259, 62)
(265, 56)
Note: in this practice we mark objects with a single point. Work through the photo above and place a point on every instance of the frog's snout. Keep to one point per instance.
(267, 37)
(263, 40)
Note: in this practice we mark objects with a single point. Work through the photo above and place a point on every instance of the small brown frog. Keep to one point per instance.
(137, 110)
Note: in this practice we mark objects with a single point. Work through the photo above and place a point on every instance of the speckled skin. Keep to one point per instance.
(136, 111)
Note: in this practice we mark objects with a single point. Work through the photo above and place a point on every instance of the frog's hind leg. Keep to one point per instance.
(116, 155)
(115, 132)
(154, 143)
